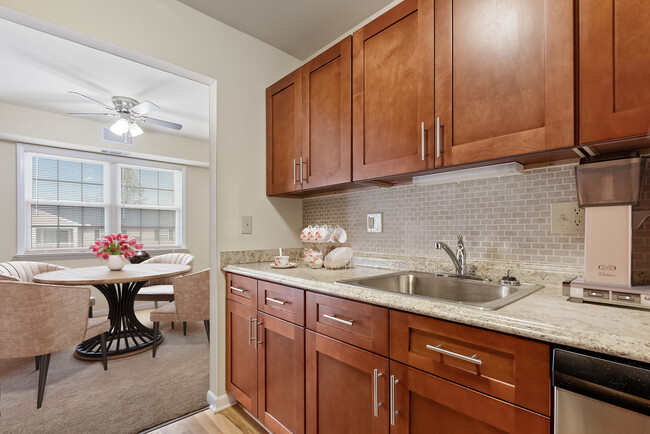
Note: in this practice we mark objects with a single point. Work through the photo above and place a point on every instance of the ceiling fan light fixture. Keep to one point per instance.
(135, 129)
(120, 127)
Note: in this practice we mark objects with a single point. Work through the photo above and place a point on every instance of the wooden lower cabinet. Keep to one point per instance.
(341, 396)
(281, 375)
(241, 355)
(427, 404)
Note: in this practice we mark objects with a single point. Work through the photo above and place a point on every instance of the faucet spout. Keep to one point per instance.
(452, 256)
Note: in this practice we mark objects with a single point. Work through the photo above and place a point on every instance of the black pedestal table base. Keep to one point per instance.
(127, 335)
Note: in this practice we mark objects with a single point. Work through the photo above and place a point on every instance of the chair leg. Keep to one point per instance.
(37, 359)
(172, 325)
(42, 377)
(155, 337)
(90, 312)
(206, 323)
(184, 328)
(102, 344)
(155, 305)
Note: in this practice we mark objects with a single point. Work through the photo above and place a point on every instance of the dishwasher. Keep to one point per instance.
(597, 394)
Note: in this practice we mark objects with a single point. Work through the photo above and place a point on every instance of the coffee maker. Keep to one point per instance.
(608, 187)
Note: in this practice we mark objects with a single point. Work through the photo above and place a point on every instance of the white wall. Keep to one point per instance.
(243, 67)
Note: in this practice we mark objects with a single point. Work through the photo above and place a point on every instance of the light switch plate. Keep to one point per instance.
(247, 224)
(374, 222)
(567, 218)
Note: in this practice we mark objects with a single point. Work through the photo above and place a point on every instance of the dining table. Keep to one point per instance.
(127, 335)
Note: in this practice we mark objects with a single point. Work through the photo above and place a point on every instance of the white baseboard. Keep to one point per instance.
(218, 403)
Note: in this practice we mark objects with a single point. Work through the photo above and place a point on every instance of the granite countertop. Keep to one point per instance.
(545, 315)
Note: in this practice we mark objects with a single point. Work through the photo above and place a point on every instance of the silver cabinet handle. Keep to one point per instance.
(255, 341)
(375, 404)
(332, 317)
(237, 289)
(474, 359)
(294, 171)
(250, 333)
(438, 126)
(301, 176)
(275, 300)
(424, 142)
(393, 412)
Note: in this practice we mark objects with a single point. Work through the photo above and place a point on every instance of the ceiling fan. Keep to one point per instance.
(130, 112)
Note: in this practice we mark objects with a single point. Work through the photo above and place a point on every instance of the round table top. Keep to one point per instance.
(103, 275)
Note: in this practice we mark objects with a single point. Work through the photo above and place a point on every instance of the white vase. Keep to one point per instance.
(116, 262)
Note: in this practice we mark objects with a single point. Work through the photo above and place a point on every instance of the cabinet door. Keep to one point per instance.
(241, 355)
(393, 91)
(327, 117)
(283, 128)
(281, 375)
(342, 394)
(614, 69)
(428, 404)
(504, 77)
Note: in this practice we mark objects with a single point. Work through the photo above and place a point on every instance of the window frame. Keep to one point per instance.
(112, 197)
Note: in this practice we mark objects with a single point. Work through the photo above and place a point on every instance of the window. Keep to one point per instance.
(72, 198)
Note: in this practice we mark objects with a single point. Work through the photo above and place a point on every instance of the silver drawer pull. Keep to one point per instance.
(237, 289)
(393, 412)
(474, 359)
(332, 317)
(375, 394)
(275, 300)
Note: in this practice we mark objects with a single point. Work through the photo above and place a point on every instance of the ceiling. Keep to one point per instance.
(297, 27)
(29, 78)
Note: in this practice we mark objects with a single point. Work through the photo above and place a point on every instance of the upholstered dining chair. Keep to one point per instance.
(162, 289)
(24, 271)
(38, 320)
(191, 303)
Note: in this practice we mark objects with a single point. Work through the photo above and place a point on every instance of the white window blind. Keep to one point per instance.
(72, 198)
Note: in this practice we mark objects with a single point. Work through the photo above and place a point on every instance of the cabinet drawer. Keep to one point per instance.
(513, 369)
(281, 301)
(242, 289)
(359, 324)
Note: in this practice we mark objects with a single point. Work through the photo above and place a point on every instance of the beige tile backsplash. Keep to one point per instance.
(502, 219)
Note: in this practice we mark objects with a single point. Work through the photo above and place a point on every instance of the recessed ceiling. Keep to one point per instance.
(39, 69)
(297, 27)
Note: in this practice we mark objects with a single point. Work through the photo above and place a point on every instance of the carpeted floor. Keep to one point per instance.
(136, 392)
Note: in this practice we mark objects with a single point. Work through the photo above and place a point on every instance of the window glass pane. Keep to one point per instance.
(44, 190)
(55, 226)
(93, 193)
(70, 170)
(166, 180)
(166, 198)
(93, 173)
(44, 168)
(148, 178)
(167, 218)
(150, 227)
(149, 196)
(70, 191)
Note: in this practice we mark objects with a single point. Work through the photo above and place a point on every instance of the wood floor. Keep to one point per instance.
(232, 420)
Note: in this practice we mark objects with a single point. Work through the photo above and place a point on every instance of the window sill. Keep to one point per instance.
(85, 255)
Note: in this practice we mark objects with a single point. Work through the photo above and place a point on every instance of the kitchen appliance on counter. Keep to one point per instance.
(598, 394)
(607, 187)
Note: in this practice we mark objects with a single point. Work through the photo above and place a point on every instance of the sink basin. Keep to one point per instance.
(449, 288)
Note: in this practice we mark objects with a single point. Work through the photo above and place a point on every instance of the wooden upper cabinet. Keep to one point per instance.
(283, 130)
(504, 77)
(327, 117)
(393, 91)
(614, 69)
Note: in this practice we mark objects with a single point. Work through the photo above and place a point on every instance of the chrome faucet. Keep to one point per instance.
(459, 258)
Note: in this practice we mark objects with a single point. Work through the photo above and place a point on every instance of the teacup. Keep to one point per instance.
(282, 261)
(306, 234)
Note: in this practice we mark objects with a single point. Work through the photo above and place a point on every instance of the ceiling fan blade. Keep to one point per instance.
(161, 123)
(93, 114)
(144, 108)
(107, 107)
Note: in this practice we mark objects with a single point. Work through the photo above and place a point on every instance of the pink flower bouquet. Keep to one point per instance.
(113, 244)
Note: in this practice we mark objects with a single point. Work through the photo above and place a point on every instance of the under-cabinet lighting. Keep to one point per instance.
(496, 171)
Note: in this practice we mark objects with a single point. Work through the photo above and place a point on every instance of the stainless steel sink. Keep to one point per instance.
(449, 288)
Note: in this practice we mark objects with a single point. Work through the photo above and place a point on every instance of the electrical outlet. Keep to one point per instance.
(374, 222)
(247, 224)
(567, 218)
